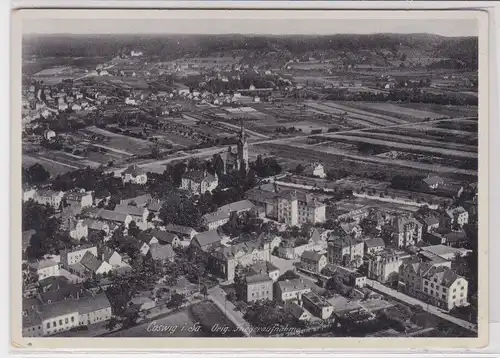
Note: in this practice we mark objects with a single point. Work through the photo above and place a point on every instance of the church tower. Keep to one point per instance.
(243, 149)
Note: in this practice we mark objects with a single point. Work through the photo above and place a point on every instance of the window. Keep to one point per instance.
(66, 320)
(426, 283)
(454, 296)
(443, 297)
(432, 292)
(54, 324)
(48, 324)
(462, 287)
(454, 290)
(432, 285)
(462, 295)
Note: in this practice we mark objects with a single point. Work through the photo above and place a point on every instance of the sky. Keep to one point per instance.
(311, 26)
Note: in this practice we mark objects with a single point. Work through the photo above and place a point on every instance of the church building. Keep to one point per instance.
(237, 161)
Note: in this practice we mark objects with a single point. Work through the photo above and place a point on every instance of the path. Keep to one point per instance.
(413, 301)
(214, 150)
(255, 134)
(218, 296)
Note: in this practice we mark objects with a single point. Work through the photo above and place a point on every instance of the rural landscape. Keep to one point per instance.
(250, 185)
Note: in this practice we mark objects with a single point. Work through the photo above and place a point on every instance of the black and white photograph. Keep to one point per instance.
(262, 177)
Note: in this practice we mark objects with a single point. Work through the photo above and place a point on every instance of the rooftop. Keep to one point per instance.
(257, 278)
(292, 285)
(130, 210)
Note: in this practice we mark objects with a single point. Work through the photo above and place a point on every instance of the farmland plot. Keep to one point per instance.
(122, 142)
(422, 141)
(404, 146)
(337, 113)
(354, 111)
(397, 110)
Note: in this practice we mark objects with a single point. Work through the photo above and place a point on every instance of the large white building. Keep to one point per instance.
(296, 207)
(435, 284)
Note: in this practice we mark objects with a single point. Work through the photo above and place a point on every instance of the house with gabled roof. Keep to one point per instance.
(139, 215)
(95, 266)
(313, 261)
(206, 240)
(162, 253)
(199, 181)
(134, 174)
(165, 237)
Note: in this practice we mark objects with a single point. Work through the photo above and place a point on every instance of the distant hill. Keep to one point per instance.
(259, 47)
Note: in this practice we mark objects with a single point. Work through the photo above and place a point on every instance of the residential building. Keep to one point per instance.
(317, 305)
(355, 215)
(110, 256)
(429, 224)
(313, 261)
(316, 170)
(45, 268)
(256, 287)
(165, 237)
(49, 197)
(291, 290)
(225, 259)
(384, 266)
(199, 181)
(433, 182)
(266, 267)
(291, 250)
(140, 201)
(446, 252)
(183, 232)
(374, 245)
(300, 313)
(352, 277)
(346, 251)
(134, 174)
(404, 231)
(265, 199)
(74, 255)
(32, 324)
(439, 286)
(138, 215)
(218, 218)
(140, 246)
(112, 217)
(458, 216)
(91, 265)
(296, 207)
(351, 228)
(96, 225)
(28, 193)
(82, 198)
(147, 238)
(207, 240)
(63, 315)
(162, 253)
(77, 229)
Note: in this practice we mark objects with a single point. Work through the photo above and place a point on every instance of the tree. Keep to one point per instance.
(204, 291)
(299, 169)
(218, 164)
(176, 301)
(112, 323)
(35, 174)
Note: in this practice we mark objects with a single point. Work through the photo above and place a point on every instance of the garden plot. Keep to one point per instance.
(353, 111)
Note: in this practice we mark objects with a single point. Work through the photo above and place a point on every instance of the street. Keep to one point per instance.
(218, 296)
(413, 301)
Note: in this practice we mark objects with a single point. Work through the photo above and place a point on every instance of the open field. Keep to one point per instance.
(335, 158)
(389, 137)
(355, 112)
(401, 146)
(54, 168)
(396, 110)
(122, 142)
